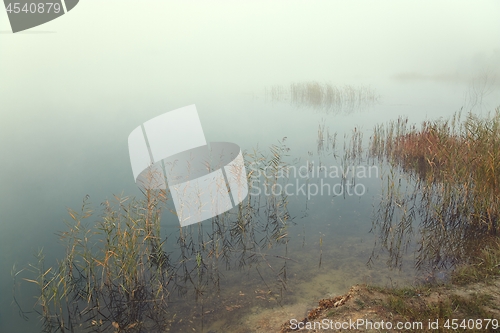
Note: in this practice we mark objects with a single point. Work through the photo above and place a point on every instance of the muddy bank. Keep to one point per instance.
(372, 309)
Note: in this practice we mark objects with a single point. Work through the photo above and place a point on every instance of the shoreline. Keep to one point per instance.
(367, 308)
(469, 299)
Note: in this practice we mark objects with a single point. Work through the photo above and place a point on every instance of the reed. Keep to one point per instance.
(324, 96)
(119, 274)
(113, 274)
(326, 141)
(451, 189)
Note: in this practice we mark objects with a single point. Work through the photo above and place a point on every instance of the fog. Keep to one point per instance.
(72, 90)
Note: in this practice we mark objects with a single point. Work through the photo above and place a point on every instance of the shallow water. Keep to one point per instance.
(67, 112)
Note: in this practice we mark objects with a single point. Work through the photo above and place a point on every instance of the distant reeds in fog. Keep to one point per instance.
(324, 96)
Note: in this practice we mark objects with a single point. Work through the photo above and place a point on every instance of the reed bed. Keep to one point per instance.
(452, 187)
(324, 96)
(114, 274)
(119, 274)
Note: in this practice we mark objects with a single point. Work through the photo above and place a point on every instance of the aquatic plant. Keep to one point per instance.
(119, 274)
(324, 96)
(114, 275)
(451, 186)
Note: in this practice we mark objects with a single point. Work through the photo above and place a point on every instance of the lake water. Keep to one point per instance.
(72, 93)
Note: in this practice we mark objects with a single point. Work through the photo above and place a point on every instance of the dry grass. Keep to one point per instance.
(462, 157)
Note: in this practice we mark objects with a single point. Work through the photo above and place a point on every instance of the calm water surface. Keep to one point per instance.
(70, 99)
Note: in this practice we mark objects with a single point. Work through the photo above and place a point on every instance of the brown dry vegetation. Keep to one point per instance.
(462, 156)
(455, 166)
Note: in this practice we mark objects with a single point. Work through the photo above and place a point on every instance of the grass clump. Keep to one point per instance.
(438, 304)
(483, 267)
(114, 276)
